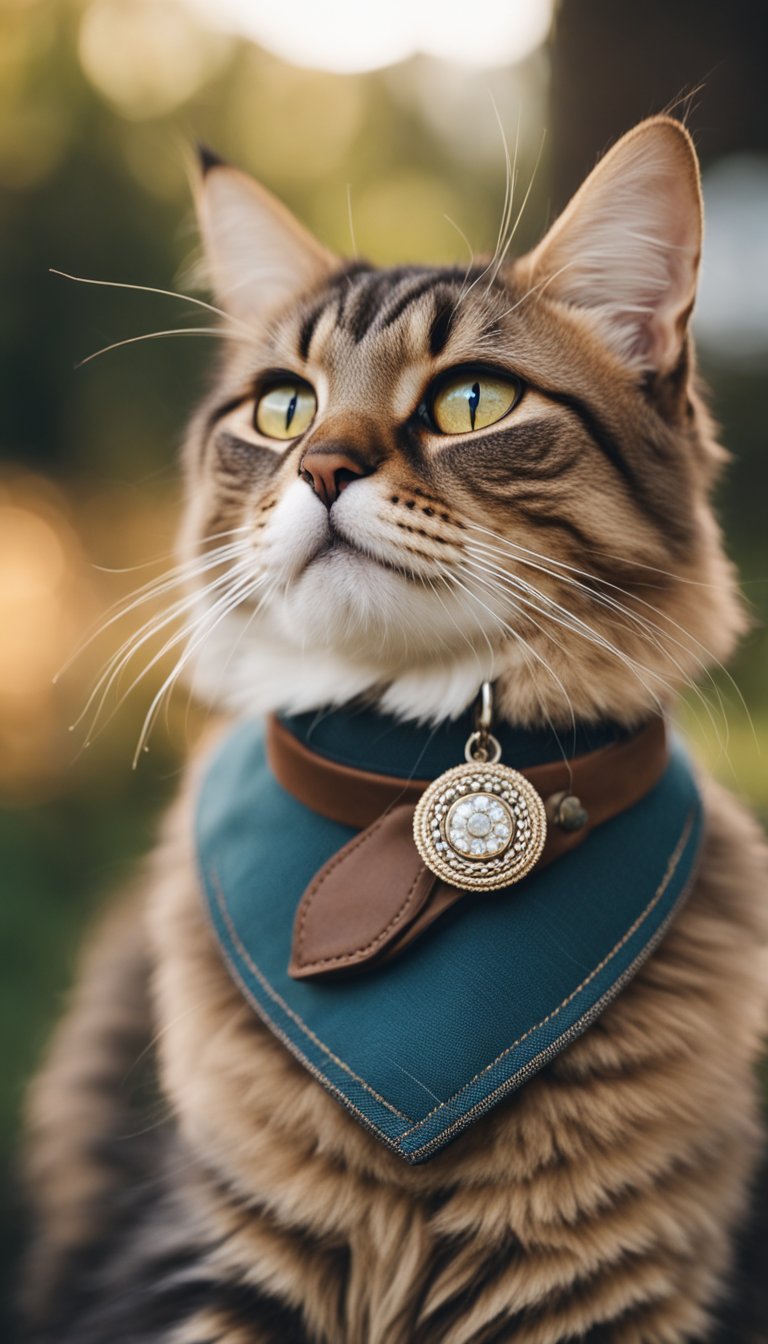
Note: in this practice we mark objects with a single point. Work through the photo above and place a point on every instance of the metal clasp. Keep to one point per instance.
(482, 747)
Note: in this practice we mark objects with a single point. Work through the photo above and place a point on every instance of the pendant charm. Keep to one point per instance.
(480, 826)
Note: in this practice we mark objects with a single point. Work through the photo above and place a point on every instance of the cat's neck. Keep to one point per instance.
(286, 680)
(279, 677)
(276, 676)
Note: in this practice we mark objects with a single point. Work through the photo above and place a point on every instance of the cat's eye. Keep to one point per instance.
(285, 410)
(472, 400)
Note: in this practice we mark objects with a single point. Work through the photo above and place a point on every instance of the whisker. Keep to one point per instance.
(648, 627)
(450, 220)
(514, 549)
(239, 595)
(471, 261)
(520, 213)
(156, 335)
(147, 564)
(185, 571)
(528, 651)
(494, 263)
(351, 222)
(153, 289)
(509, 172)
(525, 649)
(654, 569)
(270, 590)
(169, 644)
(509, 184)
(139, 638)
(267, 595)
(651, 627)
(575, 623)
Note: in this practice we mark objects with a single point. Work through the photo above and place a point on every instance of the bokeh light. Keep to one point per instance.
(39, 615)
(301, 123)
(732, 307)
(339, 35)
(147, 56)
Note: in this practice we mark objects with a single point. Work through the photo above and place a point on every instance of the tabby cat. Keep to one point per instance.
(405, 481)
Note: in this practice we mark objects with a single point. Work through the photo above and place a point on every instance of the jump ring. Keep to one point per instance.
(482, 749)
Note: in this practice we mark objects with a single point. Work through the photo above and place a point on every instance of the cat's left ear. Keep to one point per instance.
(257, 255)
(627, 247)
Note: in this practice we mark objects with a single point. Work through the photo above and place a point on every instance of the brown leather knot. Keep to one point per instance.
(383, 863)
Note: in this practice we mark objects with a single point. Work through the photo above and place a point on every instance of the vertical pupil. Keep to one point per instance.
(291, 411)
(473, 401)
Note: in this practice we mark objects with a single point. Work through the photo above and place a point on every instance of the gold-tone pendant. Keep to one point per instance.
(480, 826)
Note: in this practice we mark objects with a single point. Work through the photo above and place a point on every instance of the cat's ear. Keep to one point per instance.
(257, 255)
(627, 246)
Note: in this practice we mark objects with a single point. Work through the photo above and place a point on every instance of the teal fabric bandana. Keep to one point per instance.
(420, 1047)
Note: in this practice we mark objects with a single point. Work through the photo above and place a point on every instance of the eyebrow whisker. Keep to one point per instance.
(152, 289)
(155, 335)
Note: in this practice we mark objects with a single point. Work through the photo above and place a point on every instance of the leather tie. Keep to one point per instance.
(375, 896)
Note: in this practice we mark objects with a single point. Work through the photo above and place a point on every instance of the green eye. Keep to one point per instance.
(285, 410)
(471, 401)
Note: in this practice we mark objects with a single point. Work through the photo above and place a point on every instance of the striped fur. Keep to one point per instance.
(191, 1184)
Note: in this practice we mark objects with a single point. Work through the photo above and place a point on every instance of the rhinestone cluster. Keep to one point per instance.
(480, 827)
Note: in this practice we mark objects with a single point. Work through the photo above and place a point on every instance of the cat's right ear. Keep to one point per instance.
(257, 255)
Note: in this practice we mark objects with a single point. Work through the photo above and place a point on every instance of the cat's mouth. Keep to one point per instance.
(338, 545)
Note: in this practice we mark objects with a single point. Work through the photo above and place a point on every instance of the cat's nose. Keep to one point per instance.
(329, 471)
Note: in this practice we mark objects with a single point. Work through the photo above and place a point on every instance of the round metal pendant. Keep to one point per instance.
(480, 826)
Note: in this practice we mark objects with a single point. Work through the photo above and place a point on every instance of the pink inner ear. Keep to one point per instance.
(627, 246)
(667, 326)
(257, 254)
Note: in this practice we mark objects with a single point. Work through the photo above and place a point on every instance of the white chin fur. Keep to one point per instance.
(345, 602)
(248, 674)
(349, 604)
(342, 626)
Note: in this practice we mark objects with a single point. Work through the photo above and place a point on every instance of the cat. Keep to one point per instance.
(413, 480)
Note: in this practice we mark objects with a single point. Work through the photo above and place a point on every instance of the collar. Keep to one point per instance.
(423, 1044)
(365, 739)
(335, 933)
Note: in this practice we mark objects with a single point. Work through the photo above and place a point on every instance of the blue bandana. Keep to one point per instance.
(419, 1047)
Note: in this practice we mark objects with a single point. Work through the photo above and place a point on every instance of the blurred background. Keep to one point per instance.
(382, 121)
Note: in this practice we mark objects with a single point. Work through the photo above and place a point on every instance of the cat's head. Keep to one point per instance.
(421, 476)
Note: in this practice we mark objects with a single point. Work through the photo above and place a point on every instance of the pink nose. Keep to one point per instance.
(329, 472)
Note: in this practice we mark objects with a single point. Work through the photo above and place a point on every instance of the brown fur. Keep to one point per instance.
(83, 1091)
(602, 1201)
